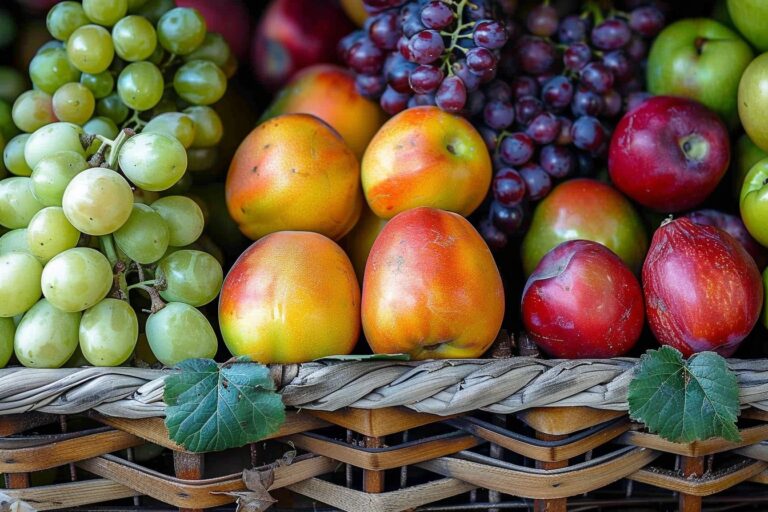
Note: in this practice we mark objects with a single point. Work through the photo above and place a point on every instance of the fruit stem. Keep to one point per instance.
(107, 245)
(592, 7)
(135, 122)
(154, 296)
(456, 34)
(114, 152)
(694, 147)
(142, 284)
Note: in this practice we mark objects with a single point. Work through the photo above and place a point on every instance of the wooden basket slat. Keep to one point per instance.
(699, 486)
(749, 436)
(73, 494)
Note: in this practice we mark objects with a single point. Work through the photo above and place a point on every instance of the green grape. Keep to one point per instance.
(181, 30)
(184, 218)
(230, 67)
(112, 107)
(32, 110)
(105, 12)
(177, 125)
(100, 84)
(90, 49)
(46, 337)
(53, 173)
(51, 69)
(144, 236)
(202, 159)
(166, 104)
(214, 48)
(134, 38)
(145, 196)
(20, 275)
(13, 155)
(7, 330)
(98, 201)
(49, 45)
(103, 126)
(208, 126)
(140, 85)
(200, 82)
(135, 4)
(17, 202)
(178, 332)
(51, 139)
(76, 279)
(153, 161)
(153, 10)
(50, 233)
(64, 18)
(108, 332)
(192, 277)
(73, 103)
(8, 130)
(14, 241)
(12, 83)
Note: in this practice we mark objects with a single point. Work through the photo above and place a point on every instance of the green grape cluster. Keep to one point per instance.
(98, 248)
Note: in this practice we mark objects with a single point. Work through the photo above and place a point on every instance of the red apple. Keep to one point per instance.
(294, 34)
(703, 291)
(669, 153)
(582, 301)
(734, 226)
(230, 18)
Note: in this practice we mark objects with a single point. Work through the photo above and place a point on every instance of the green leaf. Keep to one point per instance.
(212, 408)
(367, 357)
(685, 401)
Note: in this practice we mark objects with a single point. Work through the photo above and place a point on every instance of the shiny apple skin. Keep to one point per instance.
(431, 288)
(582, 301)
(733, 225)
(585, 209)
(647, 162)
(703, 291)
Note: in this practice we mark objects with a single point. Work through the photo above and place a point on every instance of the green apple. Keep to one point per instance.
(753, 101)
(700, 59)
(750, 17)
(753, 202)
(745, 155)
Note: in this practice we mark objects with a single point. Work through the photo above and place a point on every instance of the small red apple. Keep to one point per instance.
(703, 290)
(582, 301)
(669, 153)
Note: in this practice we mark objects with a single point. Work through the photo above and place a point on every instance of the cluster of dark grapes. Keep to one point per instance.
(427, 52)
(568, 81)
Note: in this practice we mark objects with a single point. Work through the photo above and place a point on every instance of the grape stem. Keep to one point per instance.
(114, 151)
(135, 122)
(107, 244)
(456, 34)
(154, 296)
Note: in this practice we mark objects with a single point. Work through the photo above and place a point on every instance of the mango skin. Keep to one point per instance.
(431, 288)
(328, 92)
(294, 173)
(291, 297)
(426, 157)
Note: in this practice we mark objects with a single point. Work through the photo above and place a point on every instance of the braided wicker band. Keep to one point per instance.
(443, 387)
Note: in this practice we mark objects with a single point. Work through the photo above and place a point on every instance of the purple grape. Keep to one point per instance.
(485, 75)
(420, 100)
(365, 57)
(461, 70)
(498, 115)
(410, 20)
(370, 86)
(346, 43)
(588, 134)
(398, 76)
(393, 102)
(451, 96)
(516, 148)
(498, 91)
(619, 65)
(402, 47)
(506, 219)
(557, 92)
(637, 49)
(489, 34)
(596, 77)
(544, 128)
(646, 21)
(535, 55)
(612, 103)
(611, 34)
(586, 103)
(508, 187)
(545, 77)
(385, 30)
(542, 20)
(475, 103)
(382, 4)
(480, 60)
(490, 137)
(572, 29)
(564, 137)
(577, 56)
(493, 236)
(437, 15)
(557, 161)
(426, 47)
(527, 108)
(524, 86)
(537, 181)
(425, 79)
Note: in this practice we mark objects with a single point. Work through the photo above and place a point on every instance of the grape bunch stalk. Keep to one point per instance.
(102, 250)
(438, 52)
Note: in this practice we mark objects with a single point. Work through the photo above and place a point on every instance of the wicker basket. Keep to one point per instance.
(382, 436)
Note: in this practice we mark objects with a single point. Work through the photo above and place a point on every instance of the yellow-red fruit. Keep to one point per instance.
(359, 241)
(294, 172)
(426, 157)
(291, 297)
(329, 92)
(355, 10)
(431, 288)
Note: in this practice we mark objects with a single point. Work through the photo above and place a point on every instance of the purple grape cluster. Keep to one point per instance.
(426, 52)
(562, 85)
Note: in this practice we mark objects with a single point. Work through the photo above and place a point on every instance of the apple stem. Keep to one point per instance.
(666, 221)
(699, 44)
(694, 147)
